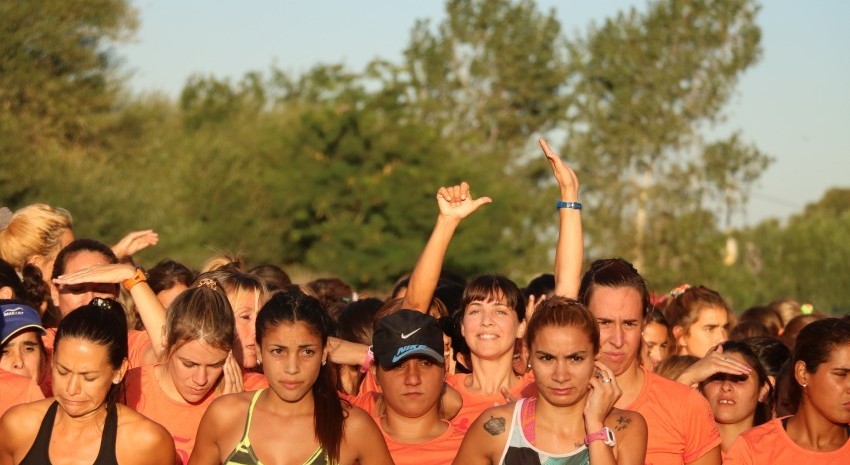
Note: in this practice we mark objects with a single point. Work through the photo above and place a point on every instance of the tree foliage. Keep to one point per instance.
(335, 170)
(641, 87)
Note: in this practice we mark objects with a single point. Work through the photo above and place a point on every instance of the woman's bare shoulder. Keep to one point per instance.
(24, 415)
(141, 440)
(355, 416)
(20, 424)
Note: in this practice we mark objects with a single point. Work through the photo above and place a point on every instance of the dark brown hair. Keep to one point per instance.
(814, 345)
(613, 272)
(489, 288)
(167, 274)
(764, 410)
(684, 309)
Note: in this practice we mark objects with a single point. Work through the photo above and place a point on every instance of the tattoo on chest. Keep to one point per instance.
(622, 423)
(495, 425)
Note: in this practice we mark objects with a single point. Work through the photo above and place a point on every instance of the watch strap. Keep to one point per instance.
(138, 277)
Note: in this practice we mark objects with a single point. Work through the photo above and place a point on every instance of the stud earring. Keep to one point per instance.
(324, 362)
(804, 385)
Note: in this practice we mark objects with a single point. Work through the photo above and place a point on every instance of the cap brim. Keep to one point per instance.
(20, 330)
(423, 351)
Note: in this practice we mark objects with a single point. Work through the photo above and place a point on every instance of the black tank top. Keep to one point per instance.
(38, 453)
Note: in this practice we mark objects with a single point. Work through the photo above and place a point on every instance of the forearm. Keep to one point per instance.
(570, 249)
(344, 352)
(569, 253)
(151, 312)
(423, 280)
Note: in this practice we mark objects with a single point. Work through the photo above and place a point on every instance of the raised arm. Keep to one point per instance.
(570, 249)
(456, 203)
(149, 307)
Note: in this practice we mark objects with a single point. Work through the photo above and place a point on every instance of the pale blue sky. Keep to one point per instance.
(794, 104)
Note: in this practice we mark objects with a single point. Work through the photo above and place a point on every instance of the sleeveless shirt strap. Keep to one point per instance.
(527, 419)
(251, 413)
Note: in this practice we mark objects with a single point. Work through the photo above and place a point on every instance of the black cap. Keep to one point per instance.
(404, 334)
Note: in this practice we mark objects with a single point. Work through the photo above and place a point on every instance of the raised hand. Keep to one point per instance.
(456, 202)
(134, 242)
(604, 393)
(566, 177)
(713, 362)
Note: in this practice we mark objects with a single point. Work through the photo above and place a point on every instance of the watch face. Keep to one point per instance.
(609, 437)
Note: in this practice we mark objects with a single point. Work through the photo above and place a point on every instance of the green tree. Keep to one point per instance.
(642, 88)
(806, 259)
(59, 86)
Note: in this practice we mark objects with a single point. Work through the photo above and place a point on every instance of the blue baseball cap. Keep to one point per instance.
(405, 334)
(17, 317)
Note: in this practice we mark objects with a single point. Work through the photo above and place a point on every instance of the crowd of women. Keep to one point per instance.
(105, 363)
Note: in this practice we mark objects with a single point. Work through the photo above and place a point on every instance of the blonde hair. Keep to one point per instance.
(34, 230)
(236, 283)
(200, 313)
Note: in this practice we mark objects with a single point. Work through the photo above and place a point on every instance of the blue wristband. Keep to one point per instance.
(561, 204)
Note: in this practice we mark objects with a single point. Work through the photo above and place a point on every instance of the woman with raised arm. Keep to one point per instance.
(819, 431)
(86, 269)
(84, 423)
(739, 402)
(679, 422)
(493, 307)
(572, 419)
(300, 417)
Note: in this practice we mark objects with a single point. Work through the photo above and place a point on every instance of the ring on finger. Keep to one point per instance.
(606, 380)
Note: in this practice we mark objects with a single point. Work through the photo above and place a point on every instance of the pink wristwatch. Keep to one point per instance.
(605, 434)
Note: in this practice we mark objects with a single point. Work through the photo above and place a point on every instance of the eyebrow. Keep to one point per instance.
(79, 372)
(184, 359)
(302, 346)
(543, 352)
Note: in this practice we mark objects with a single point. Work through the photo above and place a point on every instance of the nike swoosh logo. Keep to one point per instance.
(405, 336)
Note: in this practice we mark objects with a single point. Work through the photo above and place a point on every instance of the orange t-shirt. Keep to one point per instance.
(252, 381)
(438, 451)
(680, 425)
(369, 383)
(769, 443)
(144, 395)
(16, 390)
(474, 403)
